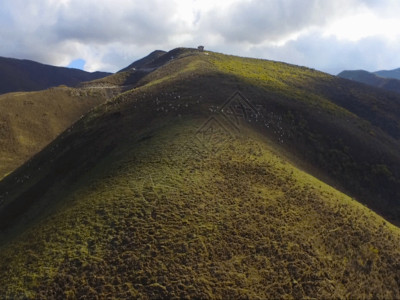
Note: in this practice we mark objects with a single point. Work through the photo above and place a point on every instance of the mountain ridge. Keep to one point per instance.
(395, 73)
(381, 79)
(185, 186)
(143, 62)
(18, 75)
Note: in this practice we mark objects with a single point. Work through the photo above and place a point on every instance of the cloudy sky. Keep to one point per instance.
(328, 35)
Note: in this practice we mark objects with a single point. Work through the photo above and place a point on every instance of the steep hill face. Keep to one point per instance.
(129, 77)
(199, 183)
(31, 120)
(25, 75)
(380, 79)
(145, 61)
(347, 131)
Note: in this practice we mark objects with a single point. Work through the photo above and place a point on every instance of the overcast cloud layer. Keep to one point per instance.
(110, 34)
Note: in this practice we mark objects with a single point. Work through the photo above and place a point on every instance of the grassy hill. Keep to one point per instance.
(25, 75)
(31, 120)
(380, 79)
(129, 77)
(202, 182)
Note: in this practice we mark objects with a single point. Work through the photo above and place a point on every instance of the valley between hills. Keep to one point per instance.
(194, 174)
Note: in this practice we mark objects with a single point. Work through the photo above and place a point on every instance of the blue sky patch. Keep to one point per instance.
(77, 64)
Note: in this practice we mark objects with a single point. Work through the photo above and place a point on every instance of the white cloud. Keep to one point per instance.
(110, 34)
(330, 54)
(367, 24)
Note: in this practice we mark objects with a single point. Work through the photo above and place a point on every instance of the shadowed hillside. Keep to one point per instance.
(145, 61)
(24, 75)
(202, 182)
(129, 77)
(389, 73)
(380, 79)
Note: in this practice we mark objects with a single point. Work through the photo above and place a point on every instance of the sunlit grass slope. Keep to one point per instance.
(342, 131)
(348, 131)
(31, 120)
(162, 193)
(163, 217)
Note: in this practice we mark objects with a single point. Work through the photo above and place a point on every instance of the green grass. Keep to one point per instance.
(283, 79)
(345, 130)
(175, 221)
(31, 120)
(130, 203)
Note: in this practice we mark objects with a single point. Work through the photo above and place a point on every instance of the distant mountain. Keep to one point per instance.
(389, 74)
(130, 76)
(375, 79)
(143, 62)
(25, 75)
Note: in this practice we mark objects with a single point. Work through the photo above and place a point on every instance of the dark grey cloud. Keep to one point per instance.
(144, 22)
(110, 34)
(258, 20)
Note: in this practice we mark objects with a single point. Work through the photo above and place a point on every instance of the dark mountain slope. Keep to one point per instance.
(170, 190)
(145, 61)
(373, 79)
(389, 73)
(130, 76)
(25, 75)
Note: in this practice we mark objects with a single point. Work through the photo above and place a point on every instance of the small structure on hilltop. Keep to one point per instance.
(200, 48)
